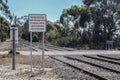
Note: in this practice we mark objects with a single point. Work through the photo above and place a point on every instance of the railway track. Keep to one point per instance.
(102, 59)
(108, 57)
(48, 47)
(97, 64)
(92, 73)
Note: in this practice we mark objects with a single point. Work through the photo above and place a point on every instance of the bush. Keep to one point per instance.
(10, 52)
(3, 36)
(35, 38)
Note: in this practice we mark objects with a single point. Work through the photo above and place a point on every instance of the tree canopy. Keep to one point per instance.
(86, 26)
(4, 23)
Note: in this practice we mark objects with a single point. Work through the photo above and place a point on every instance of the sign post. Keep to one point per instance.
(31, 51)
(14, 38)
(43, 46)
(37, 23)
(13, 51)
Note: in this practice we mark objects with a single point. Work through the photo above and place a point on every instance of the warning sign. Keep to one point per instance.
(37, 22)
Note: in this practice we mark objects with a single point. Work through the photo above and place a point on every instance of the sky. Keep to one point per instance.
(52, 8)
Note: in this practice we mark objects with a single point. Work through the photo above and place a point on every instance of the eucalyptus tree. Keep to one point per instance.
(76, 17)
(5, 19)
(4, 29)
(4, 9)
(106, 18)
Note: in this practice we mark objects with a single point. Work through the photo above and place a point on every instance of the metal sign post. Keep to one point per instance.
(43, 46)
(37, 23)
(13, 43)
(31, 51)
(13, 51)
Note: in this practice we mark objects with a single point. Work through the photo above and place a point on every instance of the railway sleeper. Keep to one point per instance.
(80, 68)
(102, 59)
(94, 64)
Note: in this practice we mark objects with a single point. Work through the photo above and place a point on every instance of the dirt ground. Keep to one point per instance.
(22, 71)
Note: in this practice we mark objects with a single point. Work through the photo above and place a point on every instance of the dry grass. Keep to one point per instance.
(23, 71)
(22, 59)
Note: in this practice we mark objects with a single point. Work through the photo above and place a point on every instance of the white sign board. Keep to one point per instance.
(109, 42)
(37, 22)
(16, 33)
